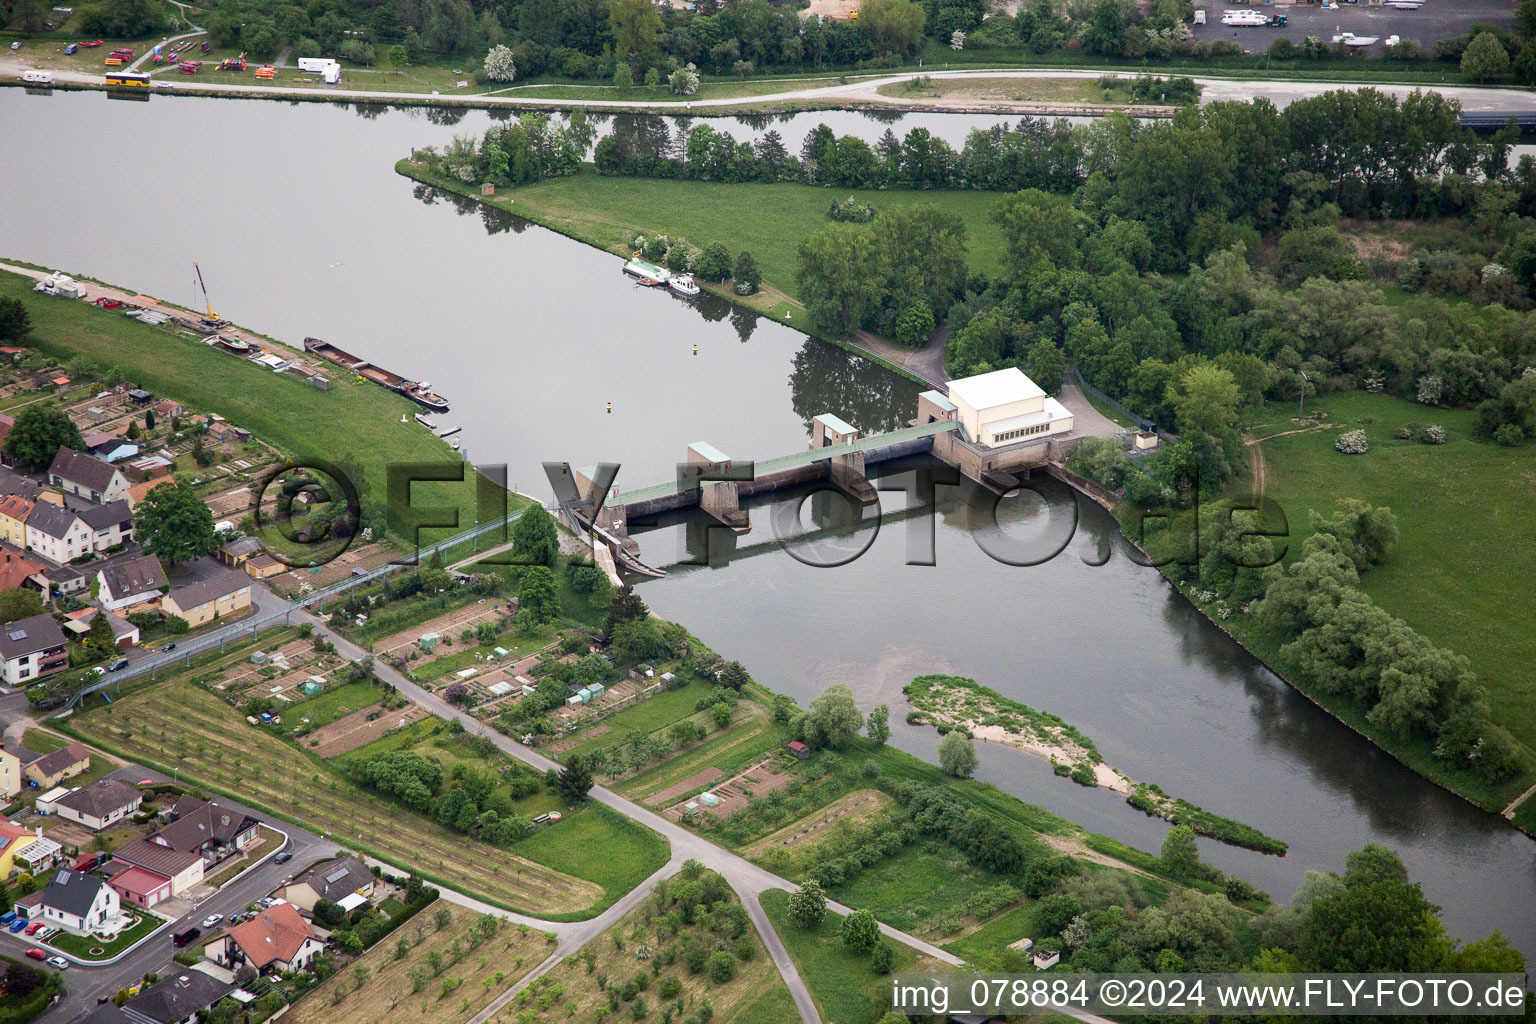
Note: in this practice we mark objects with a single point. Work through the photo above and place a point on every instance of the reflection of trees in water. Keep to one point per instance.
(826, 378)
(446, 117)
(745, 322)
(756, 122)
(642, 136)
(496, 221)
(370, 111)
(883, 116)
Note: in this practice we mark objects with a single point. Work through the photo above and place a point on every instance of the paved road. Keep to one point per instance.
(85, 984)
(860, 90)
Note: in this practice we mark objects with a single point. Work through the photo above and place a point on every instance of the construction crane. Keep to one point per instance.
(211, 314)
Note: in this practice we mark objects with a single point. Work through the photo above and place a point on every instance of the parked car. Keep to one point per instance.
(37, 954)
(34, 927)
(48, 933)
(59, 962)
(212, 919)
(120, 663)
(18, 924)
(283, 858)
(170, 646)
(185, 936)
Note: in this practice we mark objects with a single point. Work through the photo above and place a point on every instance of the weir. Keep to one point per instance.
(716, 483)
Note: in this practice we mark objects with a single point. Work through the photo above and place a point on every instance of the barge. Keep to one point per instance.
(648, 274)
(419, 392)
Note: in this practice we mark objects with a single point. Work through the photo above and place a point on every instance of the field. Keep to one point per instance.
(486, 969)
(175, 725)
(278, 408)
(842, 983)
(768, 220)
(750, 735)
(976, 91)
(650, 943)
(1461, 512)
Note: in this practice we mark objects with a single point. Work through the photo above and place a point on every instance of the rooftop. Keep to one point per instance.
(72, 892)
(101, 798)
(938, 398)
(837, 424)
(133, 576)
(709, 451)
(29, 636)
(77, 468)
(220, 584)
(1000, 387)
(1053, 410)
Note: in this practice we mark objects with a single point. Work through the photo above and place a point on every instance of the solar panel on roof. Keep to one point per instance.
(336, 876)
(17, 634)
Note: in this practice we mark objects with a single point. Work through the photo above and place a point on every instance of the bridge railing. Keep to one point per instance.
(187, 649)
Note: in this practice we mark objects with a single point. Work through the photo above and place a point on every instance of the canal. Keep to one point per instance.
(302, 228)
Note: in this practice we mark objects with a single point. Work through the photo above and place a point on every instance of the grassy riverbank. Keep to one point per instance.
(353, 420)
(767, 220)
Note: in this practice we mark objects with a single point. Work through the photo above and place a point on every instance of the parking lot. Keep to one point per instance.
(1437, 19)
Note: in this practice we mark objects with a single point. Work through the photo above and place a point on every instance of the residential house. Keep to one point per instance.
(207, 829)
(99, 805)
(137, 491)
(13, 353)
(66, 579)
(227, 592)
(58, 534)
(90, 478)
(277, 939)
(53, 768)
(177, 999)
(16, 571)
(130, 582)
(31, 648)
(264, 566)
(80, 903)
(112, 523)
(176, 871)
(124, 633)
(236, 552)
(345, 881)
(110, 447)
(12, 482)
(166, 409)
(10, 774)
(140, 886)
(13, 840)
(14, 510)
(140, 397)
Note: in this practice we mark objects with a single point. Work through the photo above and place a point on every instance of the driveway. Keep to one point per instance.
(1086, 420)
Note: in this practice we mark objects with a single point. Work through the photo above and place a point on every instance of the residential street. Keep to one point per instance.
(83, 985)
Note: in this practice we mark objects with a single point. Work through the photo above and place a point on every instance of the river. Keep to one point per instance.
(302, 228)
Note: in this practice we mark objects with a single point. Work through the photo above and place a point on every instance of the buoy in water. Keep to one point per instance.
(610, 408)
(695, 350)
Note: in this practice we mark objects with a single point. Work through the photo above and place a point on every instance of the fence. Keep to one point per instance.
(1119, 407)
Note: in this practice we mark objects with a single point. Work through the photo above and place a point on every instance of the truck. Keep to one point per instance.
(331, 75)
(316, 65)
(1244, 18)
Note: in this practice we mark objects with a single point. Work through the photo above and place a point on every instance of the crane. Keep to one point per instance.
(211, 314)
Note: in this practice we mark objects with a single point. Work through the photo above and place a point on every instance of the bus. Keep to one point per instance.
(127, 79)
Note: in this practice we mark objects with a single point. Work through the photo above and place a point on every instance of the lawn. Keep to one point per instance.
(352, 420)
(844, 986)
(327, 706)
(81, 946)
(1015, 90)
(709, 89)
(648, 945)
(1462, 509)
(575, 608)
(768, 220)
(174, 725)
(40, 742)
(474, 971)
(920, 892)
(600, 845)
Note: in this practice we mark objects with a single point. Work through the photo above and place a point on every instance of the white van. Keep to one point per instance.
(315, 65)
(37, 77)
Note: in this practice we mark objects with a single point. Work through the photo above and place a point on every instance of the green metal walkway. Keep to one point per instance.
(792, 461)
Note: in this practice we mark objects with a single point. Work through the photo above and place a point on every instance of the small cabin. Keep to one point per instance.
(1046, 959)
(487, 189)
(800, 751)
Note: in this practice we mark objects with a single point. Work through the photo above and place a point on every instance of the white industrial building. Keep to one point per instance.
(1006, 407)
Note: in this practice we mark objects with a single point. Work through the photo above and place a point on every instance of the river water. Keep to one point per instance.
(302, 228)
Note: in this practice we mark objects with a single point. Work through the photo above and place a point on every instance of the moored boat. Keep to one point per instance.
(683, 284)
(421, 393)
(648, 274)
(426, 421)
(232, 343)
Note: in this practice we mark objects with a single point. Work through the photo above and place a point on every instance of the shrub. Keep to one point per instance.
(1509, 435)
(883, 958)
(851, 209)
(713, 263)
(722, 967)
(1352, 442)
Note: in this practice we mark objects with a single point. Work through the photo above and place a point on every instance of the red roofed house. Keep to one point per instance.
(800, 750)
(278, 939)
(140, 886)
(137, 491)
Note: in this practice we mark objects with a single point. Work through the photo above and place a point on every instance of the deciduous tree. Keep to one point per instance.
(173, 522)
